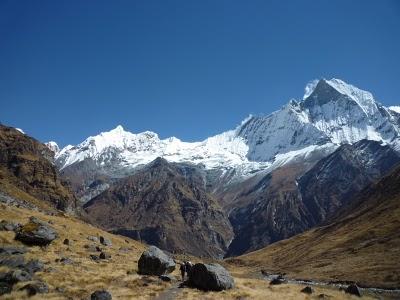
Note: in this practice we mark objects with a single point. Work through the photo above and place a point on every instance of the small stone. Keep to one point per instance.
(308, 290)
(104, 241)
(34, 288)
(104, 255)
(94, 257)
(93, 238)
(34, 266)
(15, 276)
(64, 260)
(8, 226)
(278, 280)
(66, 242)
(353, 289)
(101, 295)
(10, 250)
(167, 278)
(14, 261)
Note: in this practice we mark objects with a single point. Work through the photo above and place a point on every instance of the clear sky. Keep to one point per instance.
(190, 69)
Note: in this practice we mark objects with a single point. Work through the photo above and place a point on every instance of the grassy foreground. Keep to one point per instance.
(119, 274)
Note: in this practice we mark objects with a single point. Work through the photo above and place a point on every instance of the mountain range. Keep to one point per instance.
(310, 191)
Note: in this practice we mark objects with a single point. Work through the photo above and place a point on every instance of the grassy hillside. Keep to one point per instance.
(119, 274)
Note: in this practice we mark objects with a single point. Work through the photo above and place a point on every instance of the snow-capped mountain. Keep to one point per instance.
(53, 146)
(331, 113)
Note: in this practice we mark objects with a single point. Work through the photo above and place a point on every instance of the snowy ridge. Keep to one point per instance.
(331, 113)
(132, 150)
(53, 146)
(395, 109)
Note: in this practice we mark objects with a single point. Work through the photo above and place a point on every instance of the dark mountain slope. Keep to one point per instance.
(291, 199)
(361, 245)
(166, 205)
(26, 170)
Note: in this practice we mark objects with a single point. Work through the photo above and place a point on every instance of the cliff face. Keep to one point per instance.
(26, 166)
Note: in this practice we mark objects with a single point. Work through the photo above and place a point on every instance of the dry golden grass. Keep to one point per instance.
(119, 274)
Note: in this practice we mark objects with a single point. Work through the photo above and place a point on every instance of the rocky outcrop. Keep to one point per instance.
(26, 167)
(165, 205)
(210, 277)
(154, 261)
(36, 233)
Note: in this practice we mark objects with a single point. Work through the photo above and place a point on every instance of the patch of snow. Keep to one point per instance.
(53, 146)
(20, 130)
(310, 87)
(395, 109)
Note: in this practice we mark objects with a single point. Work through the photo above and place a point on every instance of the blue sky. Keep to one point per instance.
(191, 69)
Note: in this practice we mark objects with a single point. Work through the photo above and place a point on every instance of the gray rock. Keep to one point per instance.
(307, 290)
(34, 266)
(8, 226)
(101, 295)
(65, 260)
(105, 242)
(10, 250)
(154, 261)
(37, 287)
(94, 257)
(93, 238)
(210, 277)
(36, 233)
(15, 276)
(353, 289)
(278, 280)
(12, 261)
(167, 278)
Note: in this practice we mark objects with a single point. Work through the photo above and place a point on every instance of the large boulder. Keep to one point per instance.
(154, 261)
(36, 232)
(210, 277)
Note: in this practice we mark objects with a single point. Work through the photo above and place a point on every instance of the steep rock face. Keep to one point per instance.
(293, 198)
(165, 205)
(25, 164)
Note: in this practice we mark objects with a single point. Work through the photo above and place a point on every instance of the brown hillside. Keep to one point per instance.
(26, 171)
